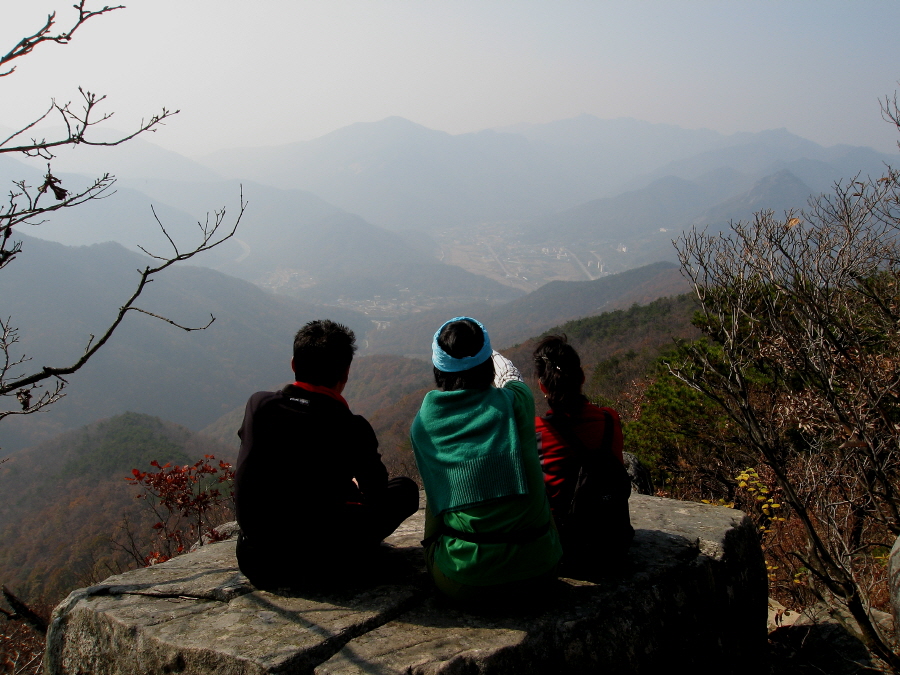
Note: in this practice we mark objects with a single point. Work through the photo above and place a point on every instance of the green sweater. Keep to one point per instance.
(477, 455)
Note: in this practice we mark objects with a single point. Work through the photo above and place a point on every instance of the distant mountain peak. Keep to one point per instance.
(778, 192)
(390, 128)
(783, 181)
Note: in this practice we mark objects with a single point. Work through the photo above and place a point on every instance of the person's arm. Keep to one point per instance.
(368, 469)
(504, 370)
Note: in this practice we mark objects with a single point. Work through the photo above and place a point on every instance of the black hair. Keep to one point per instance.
(460, 339)
(323, 351)
(558, 367)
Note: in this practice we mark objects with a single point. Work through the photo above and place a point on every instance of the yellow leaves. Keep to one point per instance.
(719, 502)
(747, 474)
(750, 481)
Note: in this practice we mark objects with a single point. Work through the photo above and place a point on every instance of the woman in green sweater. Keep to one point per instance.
(488, 529)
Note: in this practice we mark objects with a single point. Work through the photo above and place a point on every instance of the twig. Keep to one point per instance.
(22, 612)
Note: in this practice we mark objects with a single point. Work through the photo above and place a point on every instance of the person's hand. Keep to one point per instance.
(504, 370)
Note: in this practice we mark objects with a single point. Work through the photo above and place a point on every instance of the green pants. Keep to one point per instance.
(526, 591)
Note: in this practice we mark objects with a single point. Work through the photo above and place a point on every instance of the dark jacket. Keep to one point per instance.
(300, 452)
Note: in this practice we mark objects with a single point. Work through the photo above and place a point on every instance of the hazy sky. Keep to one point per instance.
(273, 71)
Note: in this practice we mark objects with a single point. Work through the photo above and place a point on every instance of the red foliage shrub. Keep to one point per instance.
(187, 501)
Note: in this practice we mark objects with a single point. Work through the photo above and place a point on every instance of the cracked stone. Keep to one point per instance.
(690, 565)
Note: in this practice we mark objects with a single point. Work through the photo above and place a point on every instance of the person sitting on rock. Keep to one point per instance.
(489, 534)
(312, 496)
(581, 451)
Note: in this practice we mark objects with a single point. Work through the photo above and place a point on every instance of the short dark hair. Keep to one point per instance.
(460, 339)
(558, 366)
(323, 350)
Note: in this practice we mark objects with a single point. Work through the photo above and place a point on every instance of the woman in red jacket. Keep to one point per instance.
(580, 446)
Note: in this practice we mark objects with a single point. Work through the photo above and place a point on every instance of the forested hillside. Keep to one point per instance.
(66, 501)
(618, 347)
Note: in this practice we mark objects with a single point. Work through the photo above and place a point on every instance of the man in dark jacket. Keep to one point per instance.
(312, 495)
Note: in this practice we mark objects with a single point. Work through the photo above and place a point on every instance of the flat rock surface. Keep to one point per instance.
(198, 614)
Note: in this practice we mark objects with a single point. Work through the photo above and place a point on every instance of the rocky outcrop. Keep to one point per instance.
(639, 474)
(894, 583)
(692, 591)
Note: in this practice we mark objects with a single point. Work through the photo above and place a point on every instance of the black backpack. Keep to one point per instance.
(595, 529)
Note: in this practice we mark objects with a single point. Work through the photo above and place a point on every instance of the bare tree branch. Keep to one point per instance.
(43, 34)
(212, 237)
(26, 205)
(77, 124)
(169, 321)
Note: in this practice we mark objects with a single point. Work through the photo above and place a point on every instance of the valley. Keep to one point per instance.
(500, 252)
(547, 238)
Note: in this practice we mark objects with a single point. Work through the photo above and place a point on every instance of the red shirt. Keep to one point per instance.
(558, 461)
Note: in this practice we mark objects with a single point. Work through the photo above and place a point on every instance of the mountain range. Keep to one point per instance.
(288, 240)
(360, 226)
(315, 236)
(359, 218)
(58, 296)
(399, 175)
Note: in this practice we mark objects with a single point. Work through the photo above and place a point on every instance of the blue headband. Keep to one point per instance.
(447, 364)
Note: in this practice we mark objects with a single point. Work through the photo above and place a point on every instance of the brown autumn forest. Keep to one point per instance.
(63, 520)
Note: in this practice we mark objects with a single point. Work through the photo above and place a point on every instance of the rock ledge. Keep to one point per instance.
(692, 592)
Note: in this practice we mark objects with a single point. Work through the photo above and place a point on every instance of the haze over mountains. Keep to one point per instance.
(398, 174)
(333, 219)
(58, 296)
(387, 226)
